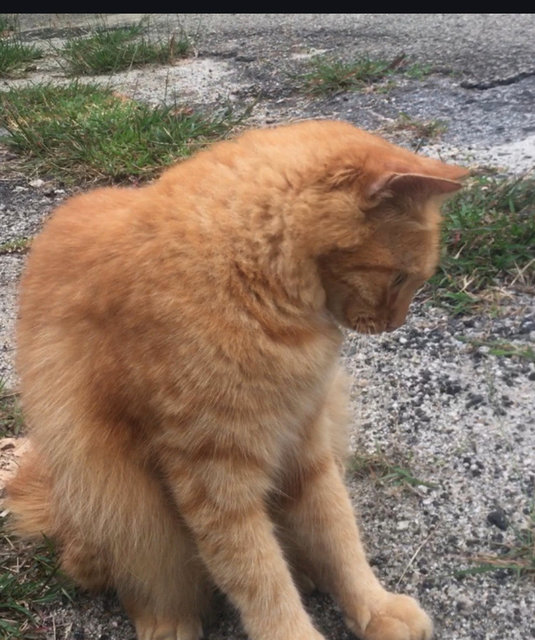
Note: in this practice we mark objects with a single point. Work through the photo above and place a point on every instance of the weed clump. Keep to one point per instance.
(113, 50)
(488, 239)
(14, 54)
(83, 132)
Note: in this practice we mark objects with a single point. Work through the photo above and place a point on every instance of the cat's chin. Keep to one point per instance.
(369, 331)
(361, 325)
(371, 326)
(368, 326)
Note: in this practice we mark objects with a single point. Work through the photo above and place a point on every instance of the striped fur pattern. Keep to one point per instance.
(178, 350)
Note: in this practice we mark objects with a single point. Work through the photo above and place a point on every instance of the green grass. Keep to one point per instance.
(378, 466)
(8, 23)
(423, 129)
(14, 55)
(517, 556)
(417, 71)
(327, 75)
(17, 245)
(488, 240)
(501, 348)
(11, 421)
(81, 133)
(29, 577)
(113, 50)
(29, 581)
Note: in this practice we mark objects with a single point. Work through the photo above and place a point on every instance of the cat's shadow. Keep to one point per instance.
(225, 624)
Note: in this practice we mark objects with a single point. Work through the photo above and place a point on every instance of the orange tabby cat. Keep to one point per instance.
(178, 349)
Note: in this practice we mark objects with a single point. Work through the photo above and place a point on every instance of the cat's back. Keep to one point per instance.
(107, 244)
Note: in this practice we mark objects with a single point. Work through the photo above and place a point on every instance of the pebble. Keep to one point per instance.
(498, 518)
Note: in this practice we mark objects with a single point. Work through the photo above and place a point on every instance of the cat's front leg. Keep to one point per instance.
(319, 518)
(220, 493)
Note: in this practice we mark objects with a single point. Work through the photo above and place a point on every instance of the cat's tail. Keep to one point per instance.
(29, 499)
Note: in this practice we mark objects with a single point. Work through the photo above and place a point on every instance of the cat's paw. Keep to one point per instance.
(395, 617)
(150, 628)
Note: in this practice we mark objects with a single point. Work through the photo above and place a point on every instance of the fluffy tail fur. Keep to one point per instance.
(29, 499)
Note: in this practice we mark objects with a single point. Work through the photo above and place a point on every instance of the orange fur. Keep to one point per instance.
(178, 350)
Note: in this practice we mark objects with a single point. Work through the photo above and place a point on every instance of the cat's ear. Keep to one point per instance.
(416, 184)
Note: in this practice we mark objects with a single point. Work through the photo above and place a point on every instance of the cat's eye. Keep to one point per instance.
(399, 279)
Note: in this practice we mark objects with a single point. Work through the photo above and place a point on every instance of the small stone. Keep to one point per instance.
(464, 604)
(403, 525)
(527, 326)
(36, 183)
(474, 400)
(498, 519)
(451, 387)
(378, 560)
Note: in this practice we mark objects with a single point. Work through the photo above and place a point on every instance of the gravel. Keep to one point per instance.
(463, 421)
(429, 396)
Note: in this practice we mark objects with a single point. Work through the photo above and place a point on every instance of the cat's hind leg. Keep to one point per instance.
(154, 562)
(166, 604)
(157, 575)
(115, 527)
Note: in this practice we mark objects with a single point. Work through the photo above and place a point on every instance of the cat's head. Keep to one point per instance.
(371, 276)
